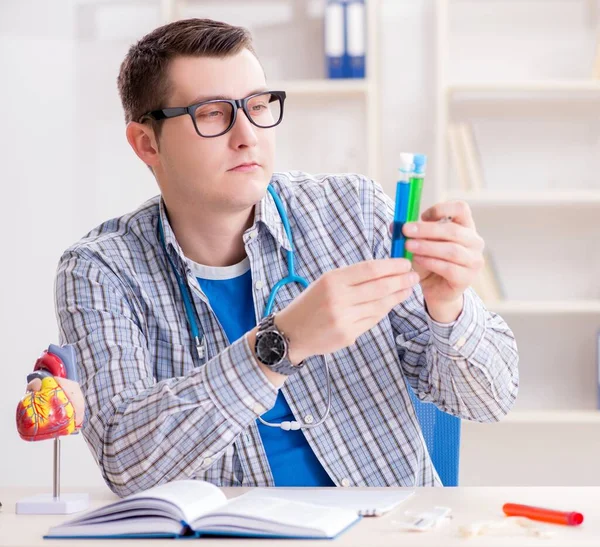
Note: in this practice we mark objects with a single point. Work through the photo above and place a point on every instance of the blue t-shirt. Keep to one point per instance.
(229, 291)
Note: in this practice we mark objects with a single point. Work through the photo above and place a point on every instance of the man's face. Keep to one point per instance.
(205, 171)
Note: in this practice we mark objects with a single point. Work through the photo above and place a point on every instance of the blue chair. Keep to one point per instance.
(442, 437)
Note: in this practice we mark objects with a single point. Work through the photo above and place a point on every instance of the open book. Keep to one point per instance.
(198, 508)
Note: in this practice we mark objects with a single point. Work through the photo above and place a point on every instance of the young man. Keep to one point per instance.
(163, 305)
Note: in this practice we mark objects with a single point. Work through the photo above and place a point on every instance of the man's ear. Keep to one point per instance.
(142, 139)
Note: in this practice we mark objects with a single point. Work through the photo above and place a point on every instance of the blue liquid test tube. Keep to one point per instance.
(401, 206)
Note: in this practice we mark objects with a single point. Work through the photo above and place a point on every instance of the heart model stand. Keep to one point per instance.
(49, 413)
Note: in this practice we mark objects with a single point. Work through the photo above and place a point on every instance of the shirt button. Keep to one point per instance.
(253, 234)
(308, 419)
(207, 461)
(460, 343)
(259, 284)
(345, 482)
(258, 409)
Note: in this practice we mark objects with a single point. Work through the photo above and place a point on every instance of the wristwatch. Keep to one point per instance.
(272, 347)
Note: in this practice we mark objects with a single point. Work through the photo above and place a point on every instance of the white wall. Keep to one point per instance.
(67, 166)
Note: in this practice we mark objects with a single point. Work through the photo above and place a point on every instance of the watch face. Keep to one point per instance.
(271, 348)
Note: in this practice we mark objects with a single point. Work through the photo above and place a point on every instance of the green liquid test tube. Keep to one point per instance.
(416, 189)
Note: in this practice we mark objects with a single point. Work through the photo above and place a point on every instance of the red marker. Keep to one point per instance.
(545, 515)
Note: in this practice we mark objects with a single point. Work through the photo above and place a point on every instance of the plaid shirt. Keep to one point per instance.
(155, 412)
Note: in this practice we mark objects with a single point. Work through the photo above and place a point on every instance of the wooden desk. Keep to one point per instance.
(468, 505)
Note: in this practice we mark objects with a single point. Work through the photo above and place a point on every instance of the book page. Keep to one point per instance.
(368, 502)
(148, 526)
(289, 516)
(193, 498)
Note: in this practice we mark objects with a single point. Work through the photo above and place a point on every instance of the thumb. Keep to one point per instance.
(34, 385)
(75, 395)
(423, 272)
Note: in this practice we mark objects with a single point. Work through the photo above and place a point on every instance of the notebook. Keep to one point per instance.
(367, 503)
(190, 508)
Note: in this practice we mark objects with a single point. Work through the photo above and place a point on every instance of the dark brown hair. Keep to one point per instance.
(143, 78)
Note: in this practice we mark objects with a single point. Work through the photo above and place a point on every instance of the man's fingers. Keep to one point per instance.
(459, 211)
(73, 391)
(444, 250)
(455, 275)
(444, 231)
(369, 269)
(377, 309)
(377, 289)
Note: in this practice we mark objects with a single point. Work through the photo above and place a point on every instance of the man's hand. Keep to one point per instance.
(343, 304)
(448, 256)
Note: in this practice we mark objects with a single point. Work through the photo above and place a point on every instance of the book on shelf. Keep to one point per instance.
(194, 508)
(596, 64)
(465, 157)
(471, 155)
(487, 284)
(598, 369)
(457, 157)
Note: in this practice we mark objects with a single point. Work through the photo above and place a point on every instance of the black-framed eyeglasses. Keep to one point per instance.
(215, 117)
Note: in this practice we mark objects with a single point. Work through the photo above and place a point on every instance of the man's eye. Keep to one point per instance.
(212, 114)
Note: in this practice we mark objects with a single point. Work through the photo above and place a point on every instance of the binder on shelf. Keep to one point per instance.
(355, 38)
(345, 38)
(335, 38)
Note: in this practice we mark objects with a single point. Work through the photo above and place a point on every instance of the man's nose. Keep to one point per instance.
(243, 132)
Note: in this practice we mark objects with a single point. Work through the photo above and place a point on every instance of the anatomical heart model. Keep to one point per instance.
(47, 411)
(52, 407)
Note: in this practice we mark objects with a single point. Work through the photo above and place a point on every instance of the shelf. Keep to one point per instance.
(555, 307)
(552, 417)
(114, 3)
(542, 198)
(355, 86)
(533, 86)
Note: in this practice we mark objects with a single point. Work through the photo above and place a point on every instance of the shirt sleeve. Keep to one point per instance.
(468, 368)
(141, 431)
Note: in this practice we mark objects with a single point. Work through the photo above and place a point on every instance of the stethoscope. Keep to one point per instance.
(291, 278)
